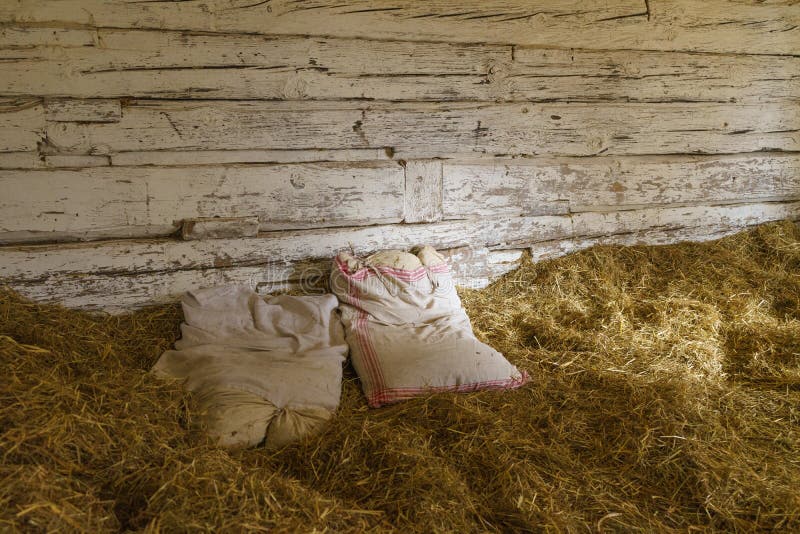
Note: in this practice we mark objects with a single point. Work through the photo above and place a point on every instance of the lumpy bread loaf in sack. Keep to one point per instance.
(407, 331)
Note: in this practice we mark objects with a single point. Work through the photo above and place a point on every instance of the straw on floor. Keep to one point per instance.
(665, 397)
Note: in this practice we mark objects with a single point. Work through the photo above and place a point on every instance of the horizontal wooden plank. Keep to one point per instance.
(219, 228)
(530, 187)
(476, 267)
(166, 158)
(104, 202)
(28, 37)
(119, 275)
(712, 25)
(650, 76)
(126, 292)
(70, 110)
(32, 262)
(22, 124)
(554, 249)
(183, 65)
(423, 130)
(21, 160)
(159, 64)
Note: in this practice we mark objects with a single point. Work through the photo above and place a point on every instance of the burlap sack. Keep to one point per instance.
(407, 331)
(259, 369)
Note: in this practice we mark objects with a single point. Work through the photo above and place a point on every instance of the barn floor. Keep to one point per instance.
(665, 395)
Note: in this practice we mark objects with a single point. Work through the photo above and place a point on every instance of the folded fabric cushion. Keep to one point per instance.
(259, 369)
(407, 331)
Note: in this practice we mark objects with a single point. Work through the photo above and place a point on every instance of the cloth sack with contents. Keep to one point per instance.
(407, 331)
(259, 369)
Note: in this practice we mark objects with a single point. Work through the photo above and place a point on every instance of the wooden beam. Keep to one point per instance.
(32, 262)
(107, 202)
(118, 275)
(421, 130)
(159, 64)
(689, 25)
(536, 186)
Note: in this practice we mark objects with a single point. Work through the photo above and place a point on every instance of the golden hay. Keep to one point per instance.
(665, 397)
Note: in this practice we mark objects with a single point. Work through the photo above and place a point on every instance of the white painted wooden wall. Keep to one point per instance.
(150, 147)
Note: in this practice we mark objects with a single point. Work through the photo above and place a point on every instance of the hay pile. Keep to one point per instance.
(665, 396)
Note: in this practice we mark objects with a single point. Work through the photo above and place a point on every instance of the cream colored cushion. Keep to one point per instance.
(260, 369)
(407, 331)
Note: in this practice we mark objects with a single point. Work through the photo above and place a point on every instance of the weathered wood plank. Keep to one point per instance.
(166, 158)
(28, 37)
(711, 25)
(423, 198)
(120, 275)
(183, 65)
(21, 160)
(650, 76)
(68, 110)
(530, 187)
(421, 130)
(554, 249)
(219, 228)
(22, 124)
(33, 262)
(75, 161)
(126, 292)
(107, 202)
(476, 267)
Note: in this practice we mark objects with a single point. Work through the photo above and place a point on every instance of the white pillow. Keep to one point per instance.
(407, 331)
(260, 369)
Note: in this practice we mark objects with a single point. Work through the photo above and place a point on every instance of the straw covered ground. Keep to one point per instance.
(665, 396)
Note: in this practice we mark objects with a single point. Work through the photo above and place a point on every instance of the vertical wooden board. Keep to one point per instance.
(22, 124)
(106, 202)
(423, 194)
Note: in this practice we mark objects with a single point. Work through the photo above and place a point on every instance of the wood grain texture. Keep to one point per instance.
(31, 262)
(22, 124)
(219, 228)
(118, 275)
(530, 187)
(70, 110)
(105, 202)
(159, 64)
(712, 25)
(423, 195)
(167, 158)
(421, 130)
